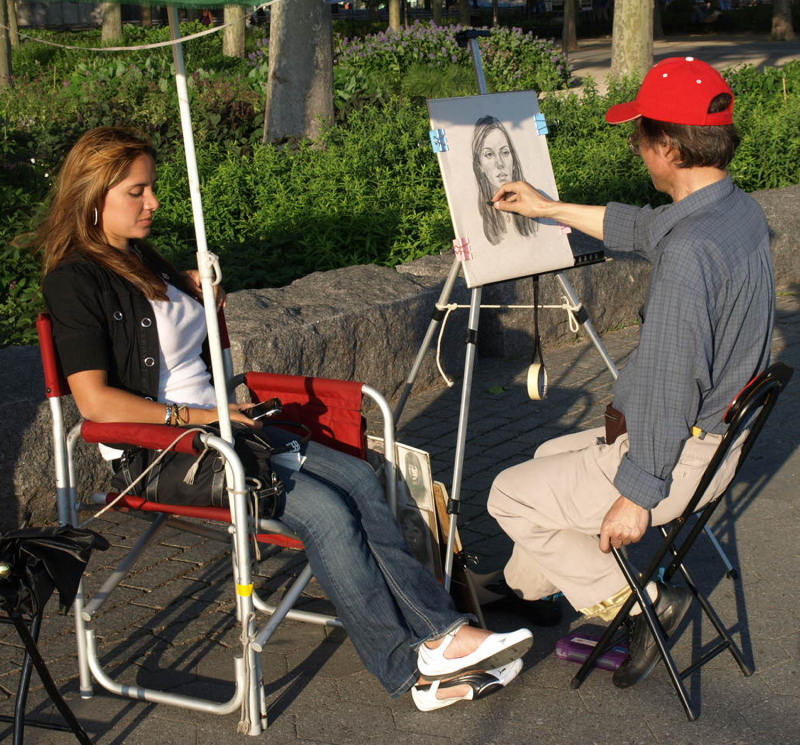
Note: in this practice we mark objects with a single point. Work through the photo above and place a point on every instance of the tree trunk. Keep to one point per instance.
(632, 39)
(233, 35)
(13, 24)
(658, 26)
(782, 27)
(300, 87)
(6, 70)
(394, 15)
(111, 30)
(436, 12)
(372, 7)
(146, 16)
(464, 12)
(569, 34)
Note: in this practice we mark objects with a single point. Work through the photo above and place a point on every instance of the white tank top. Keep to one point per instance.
(184, 378)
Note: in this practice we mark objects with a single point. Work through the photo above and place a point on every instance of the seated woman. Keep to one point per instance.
(130, 333)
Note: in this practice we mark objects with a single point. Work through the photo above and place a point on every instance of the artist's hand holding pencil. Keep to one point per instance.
(526, 200)
(522, 198)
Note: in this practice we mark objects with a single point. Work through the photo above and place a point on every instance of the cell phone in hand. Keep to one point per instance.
(263, 409)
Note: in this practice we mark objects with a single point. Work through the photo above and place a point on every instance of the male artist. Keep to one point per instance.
(706, 330)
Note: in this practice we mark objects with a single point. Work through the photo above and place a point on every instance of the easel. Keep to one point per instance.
(576, 308)
(580, 315)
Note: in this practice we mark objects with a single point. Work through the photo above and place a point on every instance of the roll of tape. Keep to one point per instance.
(537, 382)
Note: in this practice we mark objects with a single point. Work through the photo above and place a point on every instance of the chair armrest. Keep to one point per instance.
(150, 436)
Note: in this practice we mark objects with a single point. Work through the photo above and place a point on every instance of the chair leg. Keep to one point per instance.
(672, 669)
(639, 594)
(730, 570)
(25, 683)
(727, 641)
(34, 658)
(607, 640)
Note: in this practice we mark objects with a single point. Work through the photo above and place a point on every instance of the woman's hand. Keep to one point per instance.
(209, 416)
(193, 275)
(238, 416)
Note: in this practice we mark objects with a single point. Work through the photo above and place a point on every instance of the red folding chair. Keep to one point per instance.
(333, 412)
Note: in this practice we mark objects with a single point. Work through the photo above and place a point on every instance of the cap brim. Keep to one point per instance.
(622, 112)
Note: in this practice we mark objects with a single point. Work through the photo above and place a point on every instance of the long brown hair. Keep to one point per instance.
(99, 160)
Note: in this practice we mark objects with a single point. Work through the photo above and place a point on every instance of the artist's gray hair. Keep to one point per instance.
(697, 146)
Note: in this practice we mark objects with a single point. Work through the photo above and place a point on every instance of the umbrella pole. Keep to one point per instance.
(210, 274)
(207, 263)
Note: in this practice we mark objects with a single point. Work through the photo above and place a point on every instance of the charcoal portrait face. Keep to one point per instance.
(494, 163)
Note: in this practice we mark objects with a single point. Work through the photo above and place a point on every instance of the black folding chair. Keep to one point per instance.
(745, 419)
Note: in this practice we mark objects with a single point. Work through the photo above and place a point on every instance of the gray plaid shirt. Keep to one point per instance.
(707, 324)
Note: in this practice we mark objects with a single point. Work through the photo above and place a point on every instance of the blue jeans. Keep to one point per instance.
(388, 602)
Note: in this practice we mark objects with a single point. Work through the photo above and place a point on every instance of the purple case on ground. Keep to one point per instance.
(577, 647)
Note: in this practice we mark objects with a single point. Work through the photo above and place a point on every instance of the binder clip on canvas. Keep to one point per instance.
(438, 140)
(462, 250)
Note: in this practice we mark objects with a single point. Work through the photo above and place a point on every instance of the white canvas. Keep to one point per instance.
(493, 139)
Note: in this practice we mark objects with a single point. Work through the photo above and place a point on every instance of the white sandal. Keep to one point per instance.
(496, 650)
(480, 684)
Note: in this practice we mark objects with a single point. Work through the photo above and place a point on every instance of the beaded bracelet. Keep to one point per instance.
(168, 414)
(181, 415)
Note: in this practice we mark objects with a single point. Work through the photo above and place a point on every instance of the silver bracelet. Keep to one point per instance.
(168, 415)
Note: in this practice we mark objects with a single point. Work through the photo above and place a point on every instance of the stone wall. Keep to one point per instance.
(364, 323)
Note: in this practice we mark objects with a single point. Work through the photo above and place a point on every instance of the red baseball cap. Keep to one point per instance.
(677, 90)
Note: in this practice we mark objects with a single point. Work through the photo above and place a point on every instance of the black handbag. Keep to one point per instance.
(199, 480)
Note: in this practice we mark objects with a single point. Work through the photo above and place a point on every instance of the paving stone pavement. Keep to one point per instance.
(174, 613)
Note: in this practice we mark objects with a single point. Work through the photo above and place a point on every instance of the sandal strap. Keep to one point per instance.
(477, 679)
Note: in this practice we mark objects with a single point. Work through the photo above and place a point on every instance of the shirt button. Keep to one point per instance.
(147, 323)
(118, 315)
(149, 362)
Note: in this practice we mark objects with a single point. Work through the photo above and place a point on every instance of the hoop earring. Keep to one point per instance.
(96, 216)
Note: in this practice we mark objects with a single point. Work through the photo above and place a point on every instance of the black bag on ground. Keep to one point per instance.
(199, 480)
(36, 561)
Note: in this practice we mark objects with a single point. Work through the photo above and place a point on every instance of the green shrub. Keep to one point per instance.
(591, 160)
(512, 60)
(367, 192)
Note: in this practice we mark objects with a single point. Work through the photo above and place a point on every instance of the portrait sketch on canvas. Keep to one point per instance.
(416, 481)
(420, 531)
(491, 140)
(416, 505)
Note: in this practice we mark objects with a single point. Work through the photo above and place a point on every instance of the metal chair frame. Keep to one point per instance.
(248, 692)
(745, 418)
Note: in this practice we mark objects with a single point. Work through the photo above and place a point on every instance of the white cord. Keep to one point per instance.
(449, 309)
(156, 45)
(144, 473)
(570, 308)
(243, 727)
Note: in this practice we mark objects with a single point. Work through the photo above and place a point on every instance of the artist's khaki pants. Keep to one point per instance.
(552, 508)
